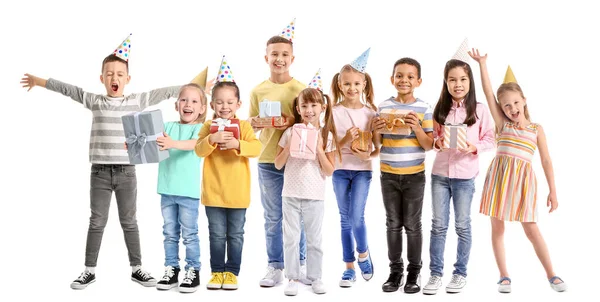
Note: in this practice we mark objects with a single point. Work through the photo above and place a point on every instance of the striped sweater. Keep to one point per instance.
(107, 137)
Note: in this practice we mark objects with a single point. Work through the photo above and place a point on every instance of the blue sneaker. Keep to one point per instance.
(348, 278)
(366, 268)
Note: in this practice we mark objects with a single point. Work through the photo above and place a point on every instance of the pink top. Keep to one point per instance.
(453, 163)
(345, 118)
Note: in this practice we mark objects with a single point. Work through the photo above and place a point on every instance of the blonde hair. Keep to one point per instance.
(367, 94)
(202, 117)
(514, 87)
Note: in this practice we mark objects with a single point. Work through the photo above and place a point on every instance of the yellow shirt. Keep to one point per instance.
(226, 173)
(284, 93)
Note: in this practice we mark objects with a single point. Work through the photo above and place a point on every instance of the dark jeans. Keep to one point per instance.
(403, 201)
(226, 236)
(104, 180)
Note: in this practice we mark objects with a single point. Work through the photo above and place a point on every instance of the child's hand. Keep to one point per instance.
(412, 119)
(30, 81)
(209, 86)
(230, 144)
(439, 144)
(363, 155)
(289, 122)
(552, 202)
(474, 53)
(125, 143)
(165, 142)
(469, 149)
(220, 137)
(351, 134)
(377, 124)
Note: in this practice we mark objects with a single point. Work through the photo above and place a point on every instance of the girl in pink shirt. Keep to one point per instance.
(454, 171)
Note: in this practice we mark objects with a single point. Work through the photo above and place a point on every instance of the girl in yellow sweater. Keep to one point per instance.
(226, 181)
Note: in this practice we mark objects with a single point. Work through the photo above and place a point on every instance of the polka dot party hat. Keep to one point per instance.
(123, 49)
(316, 82)
(225, 74)
(509, 77)
(360, 63)
(462, 53)
(288, 32)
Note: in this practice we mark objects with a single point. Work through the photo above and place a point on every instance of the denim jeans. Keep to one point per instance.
(104, 180)
(403, 201)
(461, 191)
(351, 191)
(271, 185)
(226, 236)
(180, 215)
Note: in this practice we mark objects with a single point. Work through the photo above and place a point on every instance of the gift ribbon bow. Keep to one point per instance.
(397, 122)
(137, 141)
(268, 105)
(222, 123)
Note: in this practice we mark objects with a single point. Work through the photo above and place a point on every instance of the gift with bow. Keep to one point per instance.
(455, 136)
(141, 131)
(394, 121)
(269, 109)
(269, 122)
(229, 125)
(303, 142)
(363, 142)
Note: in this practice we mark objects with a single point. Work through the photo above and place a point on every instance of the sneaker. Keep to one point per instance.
(560, 286)
(272, 277)
(504, 287)
(230, 281)
(142, 277)
(191, 281)
(394, 281)
(413, 284)
(170, 279)
(85, 279)
(366, 268)
(432, 286)
(456, 284)
(303, 278)
(291, 289)
(348, 278)
(216, 282)
(318, 287)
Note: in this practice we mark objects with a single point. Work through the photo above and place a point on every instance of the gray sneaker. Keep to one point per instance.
(456, 284)
(432, 286)
(560, 286)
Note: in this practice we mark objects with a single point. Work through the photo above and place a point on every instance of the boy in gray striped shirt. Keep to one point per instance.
(111, 170)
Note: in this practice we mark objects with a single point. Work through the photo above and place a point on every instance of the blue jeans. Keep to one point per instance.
(226, 235)
(351, 191)
(180, 215)
(271, 185)
(461, 191)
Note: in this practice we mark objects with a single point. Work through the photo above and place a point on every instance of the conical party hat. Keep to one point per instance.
(225, 74)
(200, 79)
(509, 77)
(288, 31)
(360, 63)
(123, 49)
(462, 53)
(316, 82)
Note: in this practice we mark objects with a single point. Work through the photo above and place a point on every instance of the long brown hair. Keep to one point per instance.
(444, 104)
(368, 93)
(512, 86)
(202, 117)
(312, 95)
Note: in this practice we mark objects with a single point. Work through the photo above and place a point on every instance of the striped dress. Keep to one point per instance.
(510, 188)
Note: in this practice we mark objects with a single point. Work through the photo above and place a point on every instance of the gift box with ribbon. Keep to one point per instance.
(363, 142)
(303, 143)
(455, 136)
(268, 122)
(141, 131)
(394, 121)
(269, 109)
(230, 125)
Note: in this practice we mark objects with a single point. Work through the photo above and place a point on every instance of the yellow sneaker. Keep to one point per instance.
(216, 282)
(230, 281)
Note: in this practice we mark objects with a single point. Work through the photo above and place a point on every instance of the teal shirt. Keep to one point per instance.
(180, 173)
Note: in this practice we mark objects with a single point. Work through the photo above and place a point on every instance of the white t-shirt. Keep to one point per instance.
(344, 119)
(303, 177)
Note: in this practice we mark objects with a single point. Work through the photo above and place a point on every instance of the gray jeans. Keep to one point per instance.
(295, 211)
(105, 179)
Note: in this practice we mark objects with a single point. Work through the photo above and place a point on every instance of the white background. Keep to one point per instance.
(552, 47)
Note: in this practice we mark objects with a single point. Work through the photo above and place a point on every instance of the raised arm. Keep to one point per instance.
(495, 110)
(548, 169)
(68, 90)
(155, 96)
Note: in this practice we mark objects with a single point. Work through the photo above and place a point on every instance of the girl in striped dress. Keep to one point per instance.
(510, 192)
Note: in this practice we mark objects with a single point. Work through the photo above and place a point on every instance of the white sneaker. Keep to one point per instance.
(318, 287)
(272, 277)
(456, 284)
(291, 289)
(303, 278)
(432, 286)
